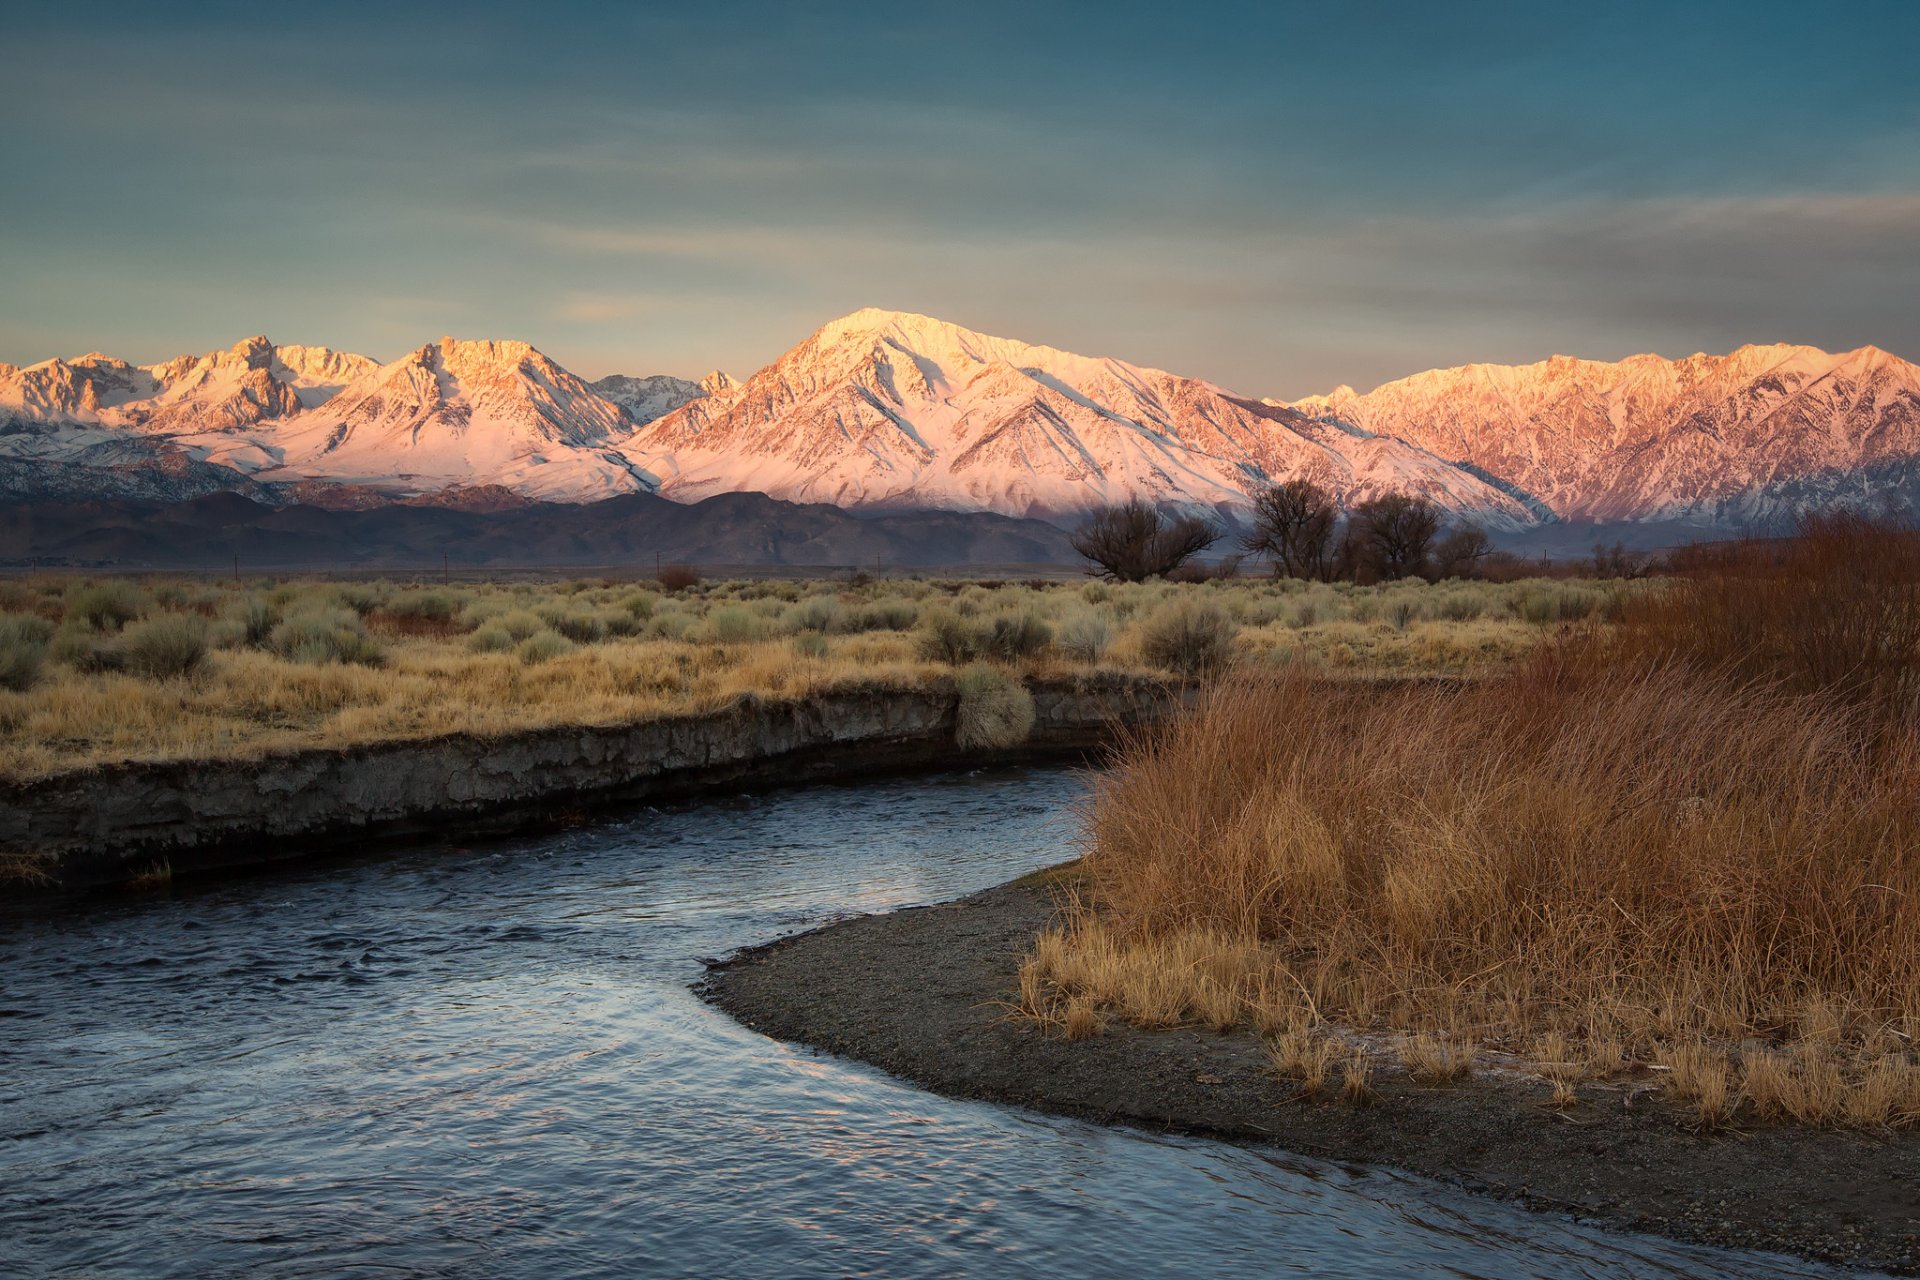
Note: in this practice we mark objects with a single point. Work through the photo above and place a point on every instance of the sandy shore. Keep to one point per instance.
(924, 993)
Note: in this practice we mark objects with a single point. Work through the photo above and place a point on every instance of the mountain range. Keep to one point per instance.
(889, 412)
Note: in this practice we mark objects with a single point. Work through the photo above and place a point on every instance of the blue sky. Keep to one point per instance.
(1277, 197)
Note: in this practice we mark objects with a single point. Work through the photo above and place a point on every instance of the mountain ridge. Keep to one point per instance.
(880, 411)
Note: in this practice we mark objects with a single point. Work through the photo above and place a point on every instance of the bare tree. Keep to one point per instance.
(1134, 541)
(1393, 533)
(1458, 555)
(1293, 524)
(1618, 562)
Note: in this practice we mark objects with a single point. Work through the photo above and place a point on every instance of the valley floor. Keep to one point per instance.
(99, 671)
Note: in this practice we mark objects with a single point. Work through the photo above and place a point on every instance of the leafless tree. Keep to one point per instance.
(1134, 541)
(1460, 553)
(1392, 534)
(1293, 525)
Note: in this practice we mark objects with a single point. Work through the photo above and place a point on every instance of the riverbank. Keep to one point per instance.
(926, 994)
(114, 824)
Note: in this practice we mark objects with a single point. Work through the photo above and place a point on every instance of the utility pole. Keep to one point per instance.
(446, 570)
(236, 568)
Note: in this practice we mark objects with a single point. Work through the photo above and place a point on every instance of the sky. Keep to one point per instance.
(1278, 197)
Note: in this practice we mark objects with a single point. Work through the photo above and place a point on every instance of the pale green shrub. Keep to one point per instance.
(995, 709)
(1191, 636)
(23, 649)
(543, 646)
(166, 645)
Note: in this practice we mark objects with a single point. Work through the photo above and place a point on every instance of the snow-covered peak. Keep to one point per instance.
(1750, 436)
(647, 398)
(892, 409)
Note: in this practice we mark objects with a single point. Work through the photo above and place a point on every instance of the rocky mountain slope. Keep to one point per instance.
(891, 411)
(1747, 439)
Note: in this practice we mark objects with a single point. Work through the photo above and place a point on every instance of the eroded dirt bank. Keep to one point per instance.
(103, 826)
(924, 994)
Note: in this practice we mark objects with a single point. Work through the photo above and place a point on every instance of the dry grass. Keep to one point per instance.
(1699, 855)
(291, 664)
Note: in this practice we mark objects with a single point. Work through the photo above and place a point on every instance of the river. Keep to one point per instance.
(489, 1062)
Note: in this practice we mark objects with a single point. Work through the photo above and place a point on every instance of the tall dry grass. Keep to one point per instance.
(1696, 837)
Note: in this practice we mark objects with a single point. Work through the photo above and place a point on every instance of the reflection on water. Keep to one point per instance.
(487, 1062)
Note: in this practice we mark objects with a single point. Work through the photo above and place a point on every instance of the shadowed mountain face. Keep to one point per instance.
(634, 529)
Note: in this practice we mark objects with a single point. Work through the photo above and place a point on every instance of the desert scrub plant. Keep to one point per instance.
(1013, 636)
(331, 635)
(947, 637)
(1190, 636)
(491, 637)
(995, 708)
(543, 646)
(732, 624)
(23, 649)
(888, 614)
(815, 613)
(1085, 636)
(104, 606)
(166, 645)
(255, 617)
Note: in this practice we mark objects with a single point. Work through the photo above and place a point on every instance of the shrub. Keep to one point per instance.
(733, 625)
(256, 617)
(332, 635)
(166, 645)
(890, 614)
(86, 650)
(811, 644)
(815, 613)
(1017, 635)
(671, 625)
(361, 597)
(521, 624)
(581, 628)
(995, 709)
(425, 612)
(640, 604)
(23, 648)
(491, 637)
(542, 646)
(104, 606)
(675, 578)
(1086, 636)
(1189, 636)
(947, 637)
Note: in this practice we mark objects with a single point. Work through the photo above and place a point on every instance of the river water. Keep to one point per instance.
(487, 1062)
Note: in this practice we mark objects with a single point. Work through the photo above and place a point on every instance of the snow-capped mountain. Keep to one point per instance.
(886, 410)
(645, 399)
(219, 391)
(1747, 439)
(456, 413)
(889, 410)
